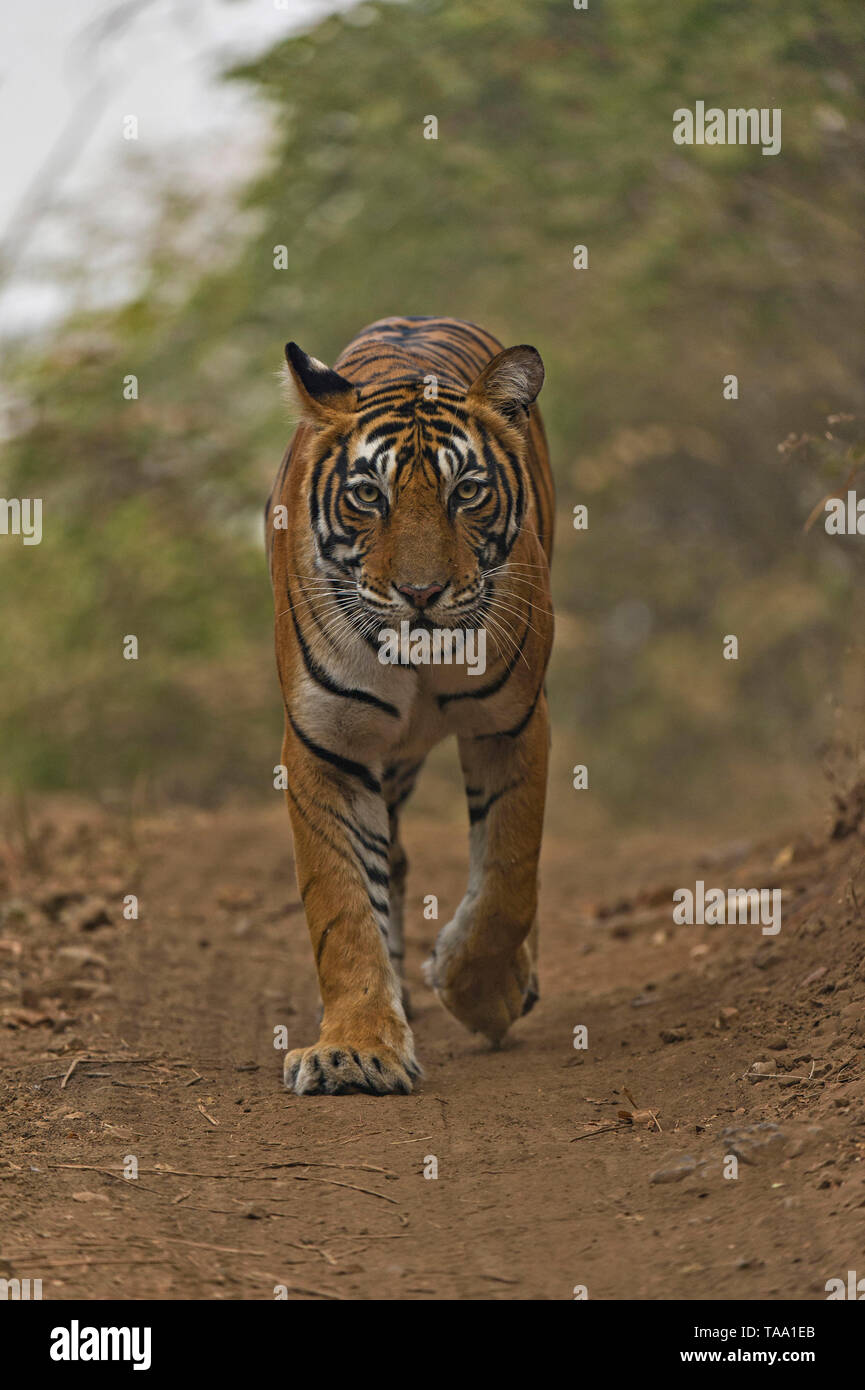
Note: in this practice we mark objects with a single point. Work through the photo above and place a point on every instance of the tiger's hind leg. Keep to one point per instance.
(399, 783)
(483, 967)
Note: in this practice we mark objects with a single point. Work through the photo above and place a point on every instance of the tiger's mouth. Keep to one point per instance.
(448, 612)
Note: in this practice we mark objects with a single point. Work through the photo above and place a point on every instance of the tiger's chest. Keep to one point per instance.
(386, 711)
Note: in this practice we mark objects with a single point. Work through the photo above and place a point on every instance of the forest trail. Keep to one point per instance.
(153, 1040)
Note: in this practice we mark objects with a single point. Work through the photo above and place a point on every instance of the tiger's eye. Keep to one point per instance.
(367, 492)
(467, 490)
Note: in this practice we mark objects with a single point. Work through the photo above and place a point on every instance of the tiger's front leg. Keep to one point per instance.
(483, 966)
(340, 830)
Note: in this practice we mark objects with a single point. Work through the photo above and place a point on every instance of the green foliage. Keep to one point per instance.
(555, 129)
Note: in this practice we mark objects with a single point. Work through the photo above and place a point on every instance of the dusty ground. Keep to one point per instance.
(155, 1039)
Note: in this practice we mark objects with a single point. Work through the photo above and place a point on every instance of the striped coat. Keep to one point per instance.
(409, 533)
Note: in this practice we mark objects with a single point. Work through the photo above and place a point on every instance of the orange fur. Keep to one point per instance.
(398, 490)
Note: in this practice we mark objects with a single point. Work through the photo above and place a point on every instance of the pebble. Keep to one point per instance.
(674, 1172)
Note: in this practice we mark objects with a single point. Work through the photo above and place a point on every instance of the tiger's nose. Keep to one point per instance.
(420, 597)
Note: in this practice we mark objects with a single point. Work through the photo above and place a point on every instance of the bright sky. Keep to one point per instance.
(71, 70)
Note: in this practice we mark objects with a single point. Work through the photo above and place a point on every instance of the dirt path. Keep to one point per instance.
(242, 1188)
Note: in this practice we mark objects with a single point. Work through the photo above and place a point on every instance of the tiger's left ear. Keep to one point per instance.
(324, 395)
(510, 383)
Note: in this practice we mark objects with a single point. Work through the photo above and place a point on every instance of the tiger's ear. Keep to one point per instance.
(510, 383)
(324, 395)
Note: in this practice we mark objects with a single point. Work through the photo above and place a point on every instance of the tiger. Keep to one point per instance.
(415, 496)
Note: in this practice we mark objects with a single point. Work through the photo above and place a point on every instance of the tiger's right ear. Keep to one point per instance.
(323, 394)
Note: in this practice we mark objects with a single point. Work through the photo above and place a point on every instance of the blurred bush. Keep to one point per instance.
(555, 129)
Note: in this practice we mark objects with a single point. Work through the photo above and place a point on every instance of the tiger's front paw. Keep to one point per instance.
(346, 1060)
(486, 993)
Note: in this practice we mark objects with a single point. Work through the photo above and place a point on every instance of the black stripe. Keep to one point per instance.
(403, 797)
(377, 876)
(518, 728)
(316, 830)
(479, 813)
(495, 685)
(382, 849)
(322, 678)
(325, 934)
(376, 844)
(344, 765)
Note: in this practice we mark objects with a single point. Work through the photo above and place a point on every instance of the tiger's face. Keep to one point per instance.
(415, 503)
(425, 512)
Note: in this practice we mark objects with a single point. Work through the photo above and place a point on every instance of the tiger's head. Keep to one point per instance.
(417, 489)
